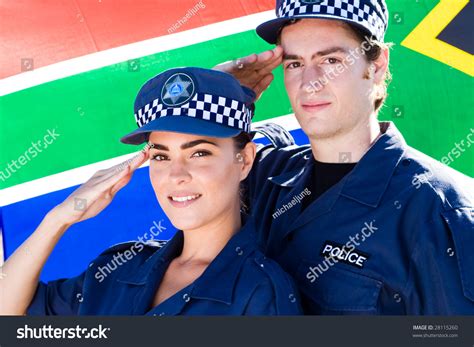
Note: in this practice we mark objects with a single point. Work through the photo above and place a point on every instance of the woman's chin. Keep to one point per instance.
(187, 223)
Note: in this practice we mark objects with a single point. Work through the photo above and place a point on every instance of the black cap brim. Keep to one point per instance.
(270, 30)
(179, 124)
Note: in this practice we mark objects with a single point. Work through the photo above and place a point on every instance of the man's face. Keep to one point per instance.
(330, 91)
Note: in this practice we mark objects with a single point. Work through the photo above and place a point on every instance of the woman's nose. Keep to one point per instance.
(179, 172)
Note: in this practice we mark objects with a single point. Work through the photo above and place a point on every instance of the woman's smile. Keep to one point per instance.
(183, 199)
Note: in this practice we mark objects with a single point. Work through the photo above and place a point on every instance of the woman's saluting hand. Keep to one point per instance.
(98, 192)
(21, 271)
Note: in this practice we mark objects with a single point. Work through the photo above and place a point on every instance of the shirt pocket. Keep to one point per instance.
(337, 291)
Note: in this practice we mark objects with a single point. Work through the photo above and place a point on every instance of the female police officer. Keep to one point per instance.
(197, 123)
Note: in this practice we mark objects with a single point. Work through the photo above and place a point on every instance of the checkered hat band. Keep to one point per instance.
(216, 109)
(349, 9)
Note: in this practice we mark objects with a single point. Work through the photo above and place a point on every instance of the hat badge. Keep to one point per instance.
(177, 90)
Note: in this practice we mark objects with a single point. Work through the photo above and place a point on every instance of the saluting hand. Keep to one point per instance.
(254, 71)
(97, 193)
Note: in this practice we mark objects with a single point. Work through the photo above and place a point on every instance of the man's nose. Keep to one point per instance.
(312, 80)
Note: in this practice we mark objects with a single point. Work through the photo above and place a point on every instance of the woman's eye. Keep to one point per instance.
(201, 154)
(159, 157)
(293, 65)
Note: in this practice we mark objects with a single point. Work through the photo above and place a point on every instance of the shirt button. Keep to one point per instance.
(450, 252)
(292, 297)
(397, 297)
(79, 297)
(239, 250)
(186, 297)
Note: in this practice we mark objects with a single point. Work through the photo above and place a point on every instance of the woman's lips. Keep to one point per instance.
(183, 200)
(315, 107)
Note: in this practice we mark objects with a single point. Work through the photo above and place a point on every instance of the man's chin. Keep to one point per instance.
(318, 130)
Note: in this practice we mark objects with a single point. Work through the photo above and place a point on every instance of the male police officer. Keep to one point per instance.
(385, 229)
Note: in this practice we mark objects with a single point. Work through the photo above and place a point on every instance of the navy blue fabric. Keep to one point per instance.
(369, 15)
(192, 100)
(239, 281)
(410, 218)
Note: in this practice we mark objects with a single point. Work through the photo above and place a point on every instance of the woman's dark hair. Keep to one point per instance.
(240, 141)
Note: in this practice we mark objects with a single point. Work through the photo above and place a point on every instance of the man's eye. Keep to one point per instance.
(160, 157)
(201, 154)
(293, 65)
(332, 60)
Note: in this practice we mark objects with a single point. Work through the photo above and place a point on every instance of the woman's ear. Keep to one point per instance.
(246, 157)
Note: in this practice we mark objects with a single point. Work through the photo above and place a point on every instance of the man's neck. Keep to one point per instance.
(346, 147)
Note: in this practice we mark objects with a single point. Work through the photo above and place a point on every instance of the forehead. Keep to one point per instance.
(317, 32)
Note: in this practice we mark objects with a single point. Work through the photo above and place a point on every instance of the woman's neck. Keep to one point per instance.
(203, 244)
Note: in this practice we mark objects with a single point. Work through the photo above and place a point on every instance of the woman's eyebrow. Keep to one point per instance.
(158, 146)
(197, 142)
(184, 145)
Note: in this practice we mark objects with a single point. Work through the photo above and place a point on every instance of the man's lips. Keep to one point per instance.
(183, 199)
(314, 106)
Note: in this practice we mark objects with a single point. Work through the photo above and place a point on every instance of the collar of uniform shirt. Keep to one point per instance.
(376, 167)
(225, 268)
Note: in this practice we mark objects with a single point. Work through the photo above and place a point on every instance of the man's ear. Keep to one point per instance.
(381, 65)
(248, 153)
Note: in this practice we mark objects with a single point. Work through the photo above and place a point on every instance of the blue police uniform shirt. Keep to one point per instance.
(394, 236)
(239, 281)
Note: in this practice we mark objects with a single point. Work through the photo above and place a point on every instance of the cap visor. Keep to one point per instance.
(269, 30)
(179, 124)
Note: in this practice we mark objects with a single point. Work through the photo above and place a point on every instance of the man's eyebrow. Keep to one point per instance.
(335, 49)
(184, 145)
